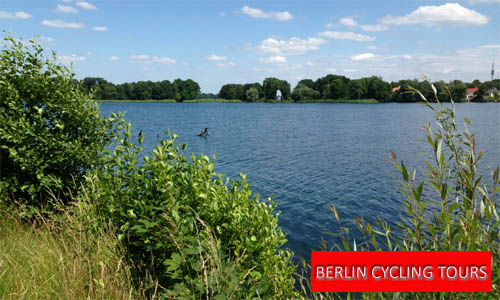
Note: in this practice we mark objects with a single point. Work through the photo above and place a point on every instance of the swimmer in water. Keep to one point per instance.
(204, 132)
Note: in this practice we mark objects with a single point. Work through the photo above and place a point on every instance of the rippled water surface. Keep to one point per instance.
(309, 156)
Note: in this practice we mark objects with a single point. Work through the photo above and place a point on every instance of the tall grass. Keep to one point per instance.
(58, 258)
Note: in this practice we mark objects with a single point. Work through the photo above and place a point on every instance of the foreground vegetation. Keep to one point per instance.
(114, 223)
(56, 258)
(186, 231)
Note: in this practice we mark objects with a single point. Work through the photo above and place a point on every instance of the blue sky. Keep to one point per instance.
(218, 42)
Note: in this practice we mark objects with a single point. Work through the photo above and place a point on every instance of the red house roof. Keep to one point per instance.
(472, 90)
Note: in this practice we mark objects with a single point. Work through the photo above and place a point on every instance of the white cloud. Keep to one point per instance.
(139, 57)
(372, 28)
(331, 70)
(372, 47)
(62, 24)
(66, 9)
(148, 60)
(222, 14)
(446, 14)
(72, 59)
(260, 14)
(490, 47)
(86, 5)
(484, 1)
(216, 58)
(67, 1)
(465, 64)
(294, 46)
(113, 58)
(348, 22)
(350, 70)
(17, 15)
(45, 40)
(163, 60)
(364, 56)
(273, 59)
(347, 36)
(100, 28)
(481, 51)
(445, 70)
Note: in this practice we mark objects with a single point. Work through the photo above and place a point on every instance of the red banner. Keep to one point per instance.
(401, 271)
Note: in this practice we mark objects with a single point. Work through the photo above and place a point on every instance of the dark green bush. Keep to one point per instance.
(197, 234)
(50, 132)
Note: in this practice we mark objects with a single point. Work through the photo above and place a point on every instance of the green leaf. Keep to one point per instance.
(131, 213)
(404, 171)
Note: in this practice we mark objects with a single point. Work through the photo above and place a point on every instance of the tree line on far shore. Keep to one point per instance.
(329, 87)
(178, 89)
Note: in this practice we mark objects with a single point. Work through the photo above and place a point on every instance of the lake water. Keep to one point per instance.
(309, 156)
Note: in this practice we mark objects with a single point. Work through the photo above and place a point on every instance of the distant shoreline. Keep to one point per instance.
(355, 101)
(241, 101)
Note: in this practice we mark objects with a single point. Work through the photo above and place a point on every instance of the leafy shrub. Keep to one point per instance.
(461, 215)
(198, 235)
(50, 132)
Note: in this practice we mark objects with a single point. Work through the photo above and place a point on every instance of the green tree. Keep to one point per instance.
(256, 86)
(307, 82)
(191, 90)
(185, 89)
(232, 91)
(339, 89)
(143, 90)
(458, 90)
(378, 89)
(100, 88)
(302, 92)
(252, 94)
(178, 87)
(355, 89)
(51, 132)
(166, 90)
(108, 91)
(271, 85)
(332, 86)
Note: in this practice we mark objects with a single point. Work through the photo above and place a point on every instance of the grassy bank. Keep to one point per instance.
(55, 261)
